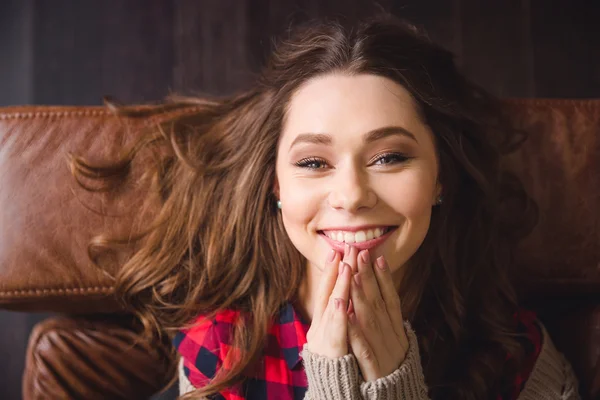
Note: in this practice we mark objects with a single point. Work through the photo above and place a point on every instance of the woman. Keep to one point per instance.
(339, 232)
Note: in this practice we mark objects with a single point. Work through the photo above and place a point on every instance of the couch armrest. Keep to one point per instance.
(47, 220)
(99, 357)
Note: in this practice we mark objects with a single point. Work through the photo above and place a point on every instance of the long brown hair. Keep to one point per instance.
(218, 242)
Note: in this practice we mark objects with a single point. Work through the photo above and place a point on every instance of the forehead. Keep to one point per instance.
(349, 104)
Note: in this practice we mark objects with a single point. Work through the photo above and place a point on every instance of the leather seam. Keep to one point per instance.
(104, 112)
(49, 114)
(86, 113)
(61, 291)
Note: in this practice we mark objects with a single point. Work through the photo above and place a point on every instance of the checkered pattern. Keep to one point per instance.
(281, 375)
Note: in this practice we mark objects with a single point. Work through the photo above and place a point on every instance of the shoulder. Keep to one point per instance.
(545, 370)
(204, 345)
(530, 329)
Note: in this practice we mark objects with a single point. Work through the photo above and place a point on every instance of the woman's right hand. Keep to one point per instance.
(328, 332)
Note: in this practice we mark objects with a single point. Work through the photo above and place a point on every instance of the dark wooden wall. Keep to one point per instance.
(76, 51)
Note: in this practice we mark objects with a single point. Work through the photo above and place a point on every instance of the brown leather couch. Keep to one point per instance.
(92, 350)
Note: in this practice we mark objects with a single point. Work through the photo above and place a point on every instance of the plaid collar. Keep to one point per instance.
(291, 330)
(204, 346)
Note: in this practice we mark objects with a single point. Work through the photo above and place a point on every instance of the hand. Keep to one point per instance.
(328, 332)
(376, 331)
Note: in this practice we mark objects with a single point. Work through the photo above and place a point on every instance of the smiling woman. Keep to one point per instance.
(303, 249)
(371, 168)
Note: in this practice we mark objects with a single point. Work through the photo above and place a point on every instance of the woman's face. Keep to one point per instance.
(356, 164)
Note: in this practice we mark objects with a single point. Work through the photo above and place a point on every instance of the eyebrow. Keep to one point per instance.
(371, 136)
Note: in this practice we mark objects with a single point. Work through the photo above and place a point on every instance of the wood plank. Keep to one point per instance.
(497, 47)
(136, 49)
(85, 50)
(67, 48)
(566, 51)
(210, 52)
(16, 42)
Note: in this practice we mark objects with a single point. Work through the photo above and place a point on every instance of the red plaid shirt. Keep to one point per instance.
(281, 376)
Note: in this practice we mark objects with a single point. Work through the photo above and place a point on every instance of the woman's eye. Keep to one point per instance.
(390, 158)
(311, 163)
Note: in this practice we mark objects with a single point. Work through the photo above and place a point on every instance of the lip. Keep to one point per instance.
(366, 245)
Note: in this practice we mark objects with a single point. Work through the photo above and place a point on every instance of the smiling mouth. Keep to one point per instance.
(362, 240)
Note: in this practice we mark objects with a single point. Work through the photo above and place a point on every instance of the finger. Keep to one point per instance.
(367, 362)
(341, 290)
(371, 324)
(328, 279)
(390, 297)
(331, 336)
(334, 323)
(369, 283)
(350, 254)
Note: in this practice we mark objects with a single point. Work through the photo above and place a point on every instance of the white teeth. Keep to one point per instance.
(355, 237)
(360, 236)
(348, 237)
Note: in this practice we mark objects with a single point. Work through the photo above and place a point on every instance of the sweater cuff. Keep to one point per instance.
(335, 379)
(406, 382)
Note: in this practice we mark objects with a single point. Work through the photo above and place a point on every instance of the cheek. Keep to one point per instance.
(410, 194)
(300, 204)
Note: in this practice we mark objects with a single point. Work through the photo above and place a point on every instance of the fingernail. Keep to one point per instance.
(381, 263)
(340, 267)
(346, 249)
(366, 257)
(331, 255)
(338, 303)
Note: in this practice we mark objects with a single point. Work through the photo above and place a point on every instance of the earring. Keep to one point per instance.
(439, 200)
(279, 204)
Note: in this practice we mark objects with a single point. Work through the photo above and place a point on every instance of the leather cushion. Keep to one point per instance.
(96, 357)
(47, 220)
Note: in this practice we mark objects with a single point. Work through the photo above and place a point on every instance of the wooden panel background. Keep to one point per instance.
(76, 51)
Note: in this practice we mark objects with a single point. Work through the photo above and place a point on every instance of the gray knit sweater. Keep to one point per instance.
(338, 379)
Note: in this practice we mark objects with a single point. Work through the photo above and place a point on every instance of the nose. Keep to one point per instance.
(351, 190)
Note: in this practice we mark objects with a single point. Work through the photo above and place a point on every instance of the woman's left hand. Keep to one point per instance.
(376, 332)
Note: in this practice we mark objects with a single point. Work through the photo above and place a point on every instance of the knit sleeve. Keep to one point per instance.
(552, 377)
(340, 379)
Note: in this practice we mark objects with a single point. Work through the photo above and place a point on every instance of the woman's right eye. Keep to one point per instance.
(311, 163)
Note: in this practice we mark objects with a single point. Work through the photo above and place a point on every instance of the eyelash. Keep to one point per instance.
(305, 162)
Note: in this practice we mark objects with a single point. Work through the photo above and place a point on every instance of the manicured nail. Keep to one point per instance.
(357, 279)
(381, 263)
(331, 255)
(366, 257)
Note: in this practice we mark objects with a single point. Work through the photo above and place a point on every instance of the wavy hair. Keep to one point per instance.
(218, 242)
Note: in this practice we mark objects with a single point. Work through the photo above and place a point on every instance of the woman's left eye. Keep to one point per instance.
(391, 158)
